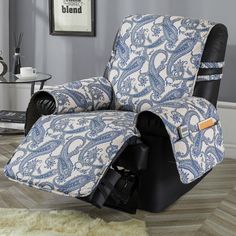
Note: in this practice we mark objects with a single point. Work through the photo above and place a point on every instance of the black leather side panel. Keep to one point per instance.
(214, 52)
(40, 104)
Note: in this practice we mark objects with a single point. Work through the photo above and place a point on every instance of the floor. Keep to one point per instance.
(209, 209)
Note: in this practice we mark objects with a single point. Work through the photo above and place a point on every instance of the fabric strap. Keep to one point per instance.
(212, 65)
(214, 71)
(209, 77)
(185, 130)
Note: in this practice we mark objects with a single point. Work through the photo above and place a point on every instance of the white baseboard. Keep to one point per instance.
(227, 112)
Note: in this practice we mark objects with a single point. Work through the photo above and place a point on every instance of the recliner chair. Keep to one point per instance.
(162, 136)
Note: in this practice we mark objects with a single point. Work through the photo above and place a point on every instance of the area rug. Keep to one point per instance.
(19, 222)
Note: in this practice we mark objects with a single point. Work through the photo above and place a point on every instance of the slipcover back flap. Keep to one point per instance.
(155, 59)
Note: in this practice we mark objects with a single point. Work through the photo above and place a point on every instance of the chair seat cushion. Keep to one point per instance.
(70, 153)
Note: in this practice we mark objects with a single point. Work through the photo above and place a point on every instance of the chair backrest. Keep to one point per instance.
(155, 59)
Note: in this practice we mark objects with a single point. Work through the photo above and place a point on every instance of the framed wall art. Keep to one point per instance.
(72, 17)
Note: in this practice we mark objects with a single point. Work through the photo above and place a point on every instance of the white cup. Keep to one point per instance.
(28, 71)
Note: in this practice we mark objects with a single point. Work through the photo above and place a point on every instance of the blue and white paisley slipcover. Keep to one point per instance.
(153, 67)
(84, 95)
(156, 59)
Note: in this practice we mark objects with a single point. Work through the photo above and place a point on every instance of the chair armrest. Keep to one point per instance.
(195, 134)
(78, 96)
(84, 95)
(166, 118)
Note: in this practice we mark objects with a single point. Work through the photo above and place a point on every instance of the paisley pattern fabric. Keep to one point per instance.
(155, 59)
(212, 65)
(153, 67)
(209, 77)
(200, 150)
(69, 154)
(83, 95)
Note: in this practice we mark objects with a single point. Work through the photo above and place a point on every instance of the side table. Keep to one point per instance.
(18, 117)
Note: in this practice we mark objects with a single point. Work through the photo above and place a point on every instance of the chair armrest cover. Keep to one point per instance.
(197, 151)
(84, 95)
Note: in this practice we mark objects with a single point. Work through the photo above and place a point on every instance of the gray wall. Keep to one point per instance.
(4, 29)
(73, 58)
